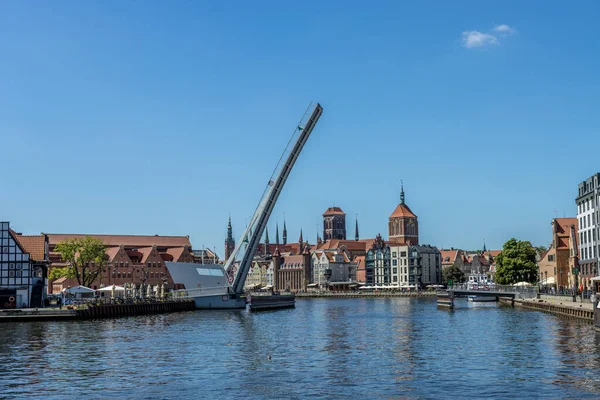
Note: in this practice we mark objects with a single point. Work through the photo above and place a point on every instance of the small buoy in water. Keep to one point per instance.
(268, 357)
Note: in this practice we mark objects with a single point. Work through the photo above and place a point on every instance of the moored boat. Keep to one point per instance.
(482, 299)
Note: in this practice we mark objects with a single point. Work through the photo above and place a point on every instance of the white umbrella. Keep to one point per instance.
(149, 291)
(522, 284)
(162, 291)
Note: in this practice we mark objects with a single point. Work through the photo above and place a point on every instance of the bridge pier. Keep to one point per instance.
(445, 299)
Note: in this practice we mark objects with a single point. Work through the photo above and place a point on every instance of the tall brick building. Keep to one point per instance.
(403, 224)
(131, 259)
(334, 224)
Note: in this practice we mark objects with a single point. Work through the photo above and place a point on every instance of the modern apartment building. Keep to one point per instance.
(588, 216)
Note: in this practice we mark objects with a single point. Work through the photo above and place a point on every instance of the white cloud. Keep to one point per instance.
(473, 39)
(504, 29)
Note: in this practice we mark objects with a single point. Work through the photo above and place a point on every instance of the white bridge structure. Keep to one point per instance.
(213, 286)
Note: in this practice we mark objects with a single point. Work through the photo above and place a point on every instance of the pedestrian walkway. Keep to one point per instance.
(563, 302)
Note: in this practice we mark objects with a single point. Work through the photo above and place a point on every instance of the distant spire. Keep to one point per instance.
(229, 231)
(284, 231)
(356, 229)
(484, 249)
(277, 234)
(267, 241)
(401, 192)
(300, 240)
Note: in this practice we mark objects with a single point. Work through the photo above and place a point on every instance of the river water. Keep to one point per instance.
(335, 348)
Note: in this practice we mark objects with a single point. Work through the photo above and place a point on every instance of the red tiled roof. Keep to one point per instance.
(449, 254)
(562, 230)
(291, 260)
(334, 211)
(176, 252)
(34, 245)
(402, 211)
(493, 253)
(111, 252)
(127, 240)
(146, 251)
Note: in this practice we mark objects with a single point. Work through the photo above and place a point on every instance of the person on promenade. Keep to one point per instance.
(59, 303)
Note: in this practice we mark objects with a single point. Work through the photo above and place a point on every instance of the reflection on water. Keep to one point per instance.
(371, 348)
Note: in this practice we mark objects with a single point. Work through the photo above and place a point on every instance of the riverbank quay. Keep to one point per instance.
(582, 311)
(343, 295)
(96, 311)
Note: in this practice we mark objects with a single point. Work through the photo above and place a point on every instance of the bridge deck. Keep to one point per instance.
(487, 293)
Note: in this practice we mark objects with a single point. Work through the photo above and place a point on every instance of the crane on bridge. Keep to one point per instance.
(246, 247)
(213, 286)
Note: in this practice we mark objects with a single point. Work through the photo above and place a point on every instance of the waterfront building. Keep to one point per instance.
(23, 268)
(334, 224)
(451, 257)
(588, 217)
(260, 275)
(399, 265)
(360, 268)
(332, 269)
(403, 225)
(429, 261)
(378, 264)
(130, 259)
(292, 272)
(554, 266)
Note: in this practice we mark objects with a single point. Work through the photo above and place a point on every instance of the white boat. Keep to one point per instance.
(482, 299)
(214, 286)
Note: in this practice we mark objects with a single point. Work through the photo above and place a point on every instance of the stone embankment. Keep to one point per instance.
(583, 311)
(96, 311)
(365, 295)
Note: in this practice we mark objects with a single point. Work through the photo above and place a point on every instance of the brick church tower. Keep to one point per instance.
(334, 224)
(403, 224)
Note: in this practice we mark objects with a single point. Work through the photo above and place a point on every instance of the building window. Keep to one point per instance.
(394, 254)
(551, 257)
(394, 262)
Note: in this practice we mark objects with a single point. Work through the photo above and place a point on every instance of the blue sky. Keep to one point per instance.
(163, 118)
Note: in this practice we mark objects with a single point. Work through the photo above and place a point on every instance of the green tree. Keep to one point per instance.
(84, 260)
(453, 273)
(516, 263)
(541, 249)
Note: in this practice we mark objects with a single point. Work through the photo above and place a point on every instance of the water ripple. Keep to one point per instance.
(371, 348)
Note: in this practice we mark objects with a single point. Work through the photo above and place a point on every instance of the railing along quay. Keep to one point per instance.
(366, 294)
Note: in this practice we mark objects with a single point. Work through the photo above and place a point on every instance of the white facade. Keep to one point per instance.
(337, 263)
(588, 217)
(399, 266)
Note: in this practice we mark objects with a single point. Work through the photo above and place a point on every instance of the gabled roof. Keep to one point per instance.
(111, 252)
(176, 252)
(402, 211)
(449, 256)
(146, 251)
(35, 245)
